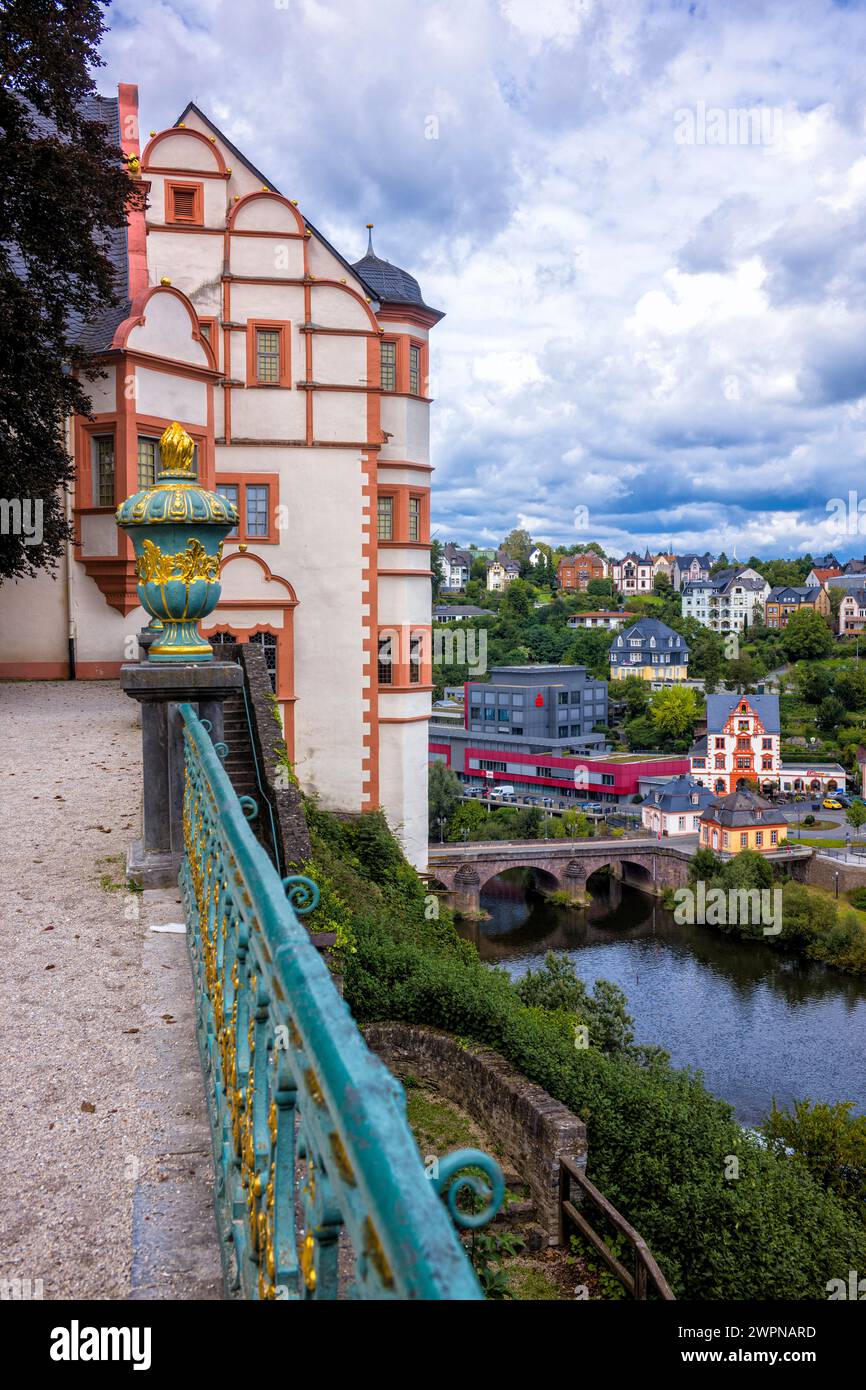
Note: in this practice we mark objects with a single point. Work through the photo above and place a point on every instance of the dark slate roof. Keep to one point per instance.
(741, 808)
(794, 593)
(391, 284)
(699, 748)
(677, 795)
(766, 707)
(97, 335)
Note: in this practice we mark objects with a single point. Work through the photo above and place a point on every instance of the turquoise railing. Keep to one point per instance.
(320, 1189)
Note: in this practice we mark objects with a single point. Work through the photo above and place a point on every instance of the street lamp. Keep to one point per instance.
(440, 820)
(465, 834)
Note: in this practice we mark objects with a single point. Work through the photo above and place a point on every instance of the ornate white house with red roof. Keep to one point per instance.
(742, 743)
(302, 379)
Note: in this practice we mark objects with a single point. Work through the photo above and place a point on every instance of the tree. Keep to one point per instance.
(850, 687)
(807, 636)
(856, 815)
(674, 711)
(635, 693)
(518, 546)
(436, 567)
(814, 683)
(517, 601)
(741, 674)
(444, 793)
(63, 187)
(641, 733)
(471, 816)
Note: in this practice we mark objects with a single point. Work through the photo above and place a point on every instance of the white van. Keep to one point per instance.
(504, 790)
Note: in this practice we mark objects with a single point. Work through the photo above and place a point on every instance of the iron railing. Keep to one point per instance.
(320, 1189)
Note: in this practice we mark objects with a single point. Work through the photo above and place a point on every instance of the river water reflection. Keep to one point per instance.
(757, 1021)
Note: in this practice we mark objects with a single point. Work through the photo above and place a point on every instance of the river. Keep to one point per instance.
(758, 1022)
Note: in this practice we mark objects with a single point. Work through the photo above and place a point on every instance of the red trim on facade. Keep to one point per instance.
(174, 130)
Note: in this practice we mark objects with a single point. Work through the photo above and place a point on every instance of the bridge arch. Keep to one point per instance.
(544, 880)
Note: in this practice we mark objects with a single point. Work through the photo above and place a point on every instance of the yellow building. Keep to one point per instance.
(649, 649)
(742, 820)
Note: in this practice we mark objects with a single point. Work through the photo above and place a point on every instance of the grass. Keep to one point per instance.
(817, 843)
(530, 1285)
(841, 902)
(438, 1125)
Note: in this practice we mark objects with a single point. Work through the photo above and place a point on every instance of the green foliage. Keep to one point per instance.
(557, 988)
(829, 1142)
(63, 191)
(807, 636)
(857, 898)
(444, 793)
(488, 1251)
(635, 693)
(856, 814)
(674, 711)
(831, 712)
(658, 1141)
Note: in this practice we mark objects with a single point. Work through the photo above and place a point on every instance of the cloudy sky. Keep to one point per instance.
(644, 221)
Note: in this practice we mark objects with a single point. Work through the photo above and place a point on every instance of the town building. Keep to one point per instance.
(456, 568)
(459, 613)
(302, 378)
(652, 650)
(742, 820)
(742, 743)
(548, 702)
(663, 564)
(729, 601)
(545, 770)
(606, 618)
(633, 574)
(781, 602)
(852, 613)
(501, 572)
(575, 571)
(820, 574)
(812, 779)
(688, 569)
(676, 807)
(536, 556)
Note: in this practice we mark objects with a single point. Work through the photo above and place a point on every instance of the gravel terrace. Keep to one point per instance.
(104, 1146)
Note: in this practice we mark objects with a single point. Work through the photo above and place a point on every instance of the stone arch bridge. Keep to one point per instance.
(463, 870)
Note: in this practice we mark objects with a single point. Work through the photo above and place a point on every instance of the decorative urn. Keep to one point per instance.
(177, 529)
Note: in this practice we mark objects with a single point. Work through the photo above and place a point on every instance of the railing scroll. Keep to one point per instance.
(309, 1129)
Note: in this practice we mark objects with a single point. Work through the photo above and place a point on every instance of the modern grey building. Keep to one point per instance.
(559, 703)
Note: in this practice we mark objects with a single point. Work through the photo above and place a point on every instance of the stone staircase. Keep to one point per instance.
(240, 765)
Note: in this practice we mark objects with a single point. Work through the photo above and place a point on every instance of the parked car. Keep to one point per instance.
(832, 803)
(503, 790)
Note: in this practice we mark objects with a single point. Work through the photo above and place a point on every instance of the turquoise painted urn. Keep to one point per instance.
(177, 529)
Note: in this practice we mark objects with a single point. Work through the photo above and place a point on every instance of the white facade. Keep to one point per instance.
(633, 574)
(249, 329)
(726, 606)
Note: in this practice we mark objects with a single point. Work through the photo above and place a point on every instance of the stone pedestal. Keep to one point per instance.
(146, 637)
(154, 860)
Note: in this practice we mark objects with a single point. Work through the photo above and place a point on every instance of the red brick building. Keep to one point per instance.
(575, 571)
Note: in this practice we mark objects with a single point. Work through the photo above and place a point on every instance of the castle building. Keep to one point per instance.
(303, 380)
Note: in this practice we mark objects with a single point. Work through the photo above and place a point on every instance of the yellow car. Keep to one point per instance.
(831, 804)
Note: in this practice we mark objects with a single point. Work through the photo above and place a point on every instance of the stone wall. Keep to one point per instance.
(532, 1129)
(822, 872)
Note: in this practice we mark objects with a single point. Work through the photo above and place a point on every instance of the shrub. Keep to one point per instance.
(659, 1143)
